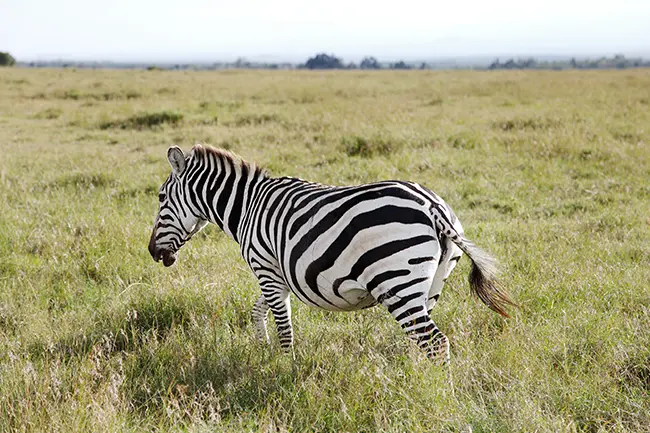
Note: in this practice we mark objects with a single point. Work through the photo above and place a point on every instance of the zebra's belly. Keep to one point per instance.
(358, 299)
(349, 297)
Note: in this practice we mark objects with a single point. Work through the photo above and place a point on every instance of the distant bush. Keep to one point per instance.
(367, 147)
(84, 181)
(324, 61)
(145, 121)
(6, 59)
(535, 123)
(627, 136)
(369, 63)
(400, 65)
(50, 113)
(434, 102)
(77, 95)
(230, 105)
(69, 94)
(256, 119)
(465, 141)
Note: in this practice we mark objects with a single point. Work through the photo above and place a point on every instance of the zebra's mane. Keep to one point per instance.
(236, 161)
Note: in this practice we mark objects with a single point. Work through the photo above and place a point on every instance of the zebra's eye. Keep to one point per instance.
(161, 197)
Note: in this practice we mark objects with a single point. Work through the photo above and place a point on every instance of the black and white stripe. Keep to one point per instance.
(336, 248)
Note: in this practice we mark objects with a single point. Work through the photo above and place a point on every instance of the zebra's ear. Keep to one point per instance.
(176, 159)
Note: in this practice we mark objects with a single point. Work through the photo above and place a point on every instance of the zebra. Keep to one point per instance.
(339, 248)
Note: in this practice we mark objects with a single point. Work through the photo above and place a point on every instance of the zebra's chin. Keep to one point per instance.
(169, 257)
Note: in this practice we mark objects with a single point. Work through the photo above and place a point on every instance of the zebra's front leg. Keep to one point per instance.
(260, 316)
(279, 302)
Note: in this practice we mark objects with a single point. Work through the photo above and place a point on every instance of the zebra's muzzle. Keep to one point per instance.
(168, 257)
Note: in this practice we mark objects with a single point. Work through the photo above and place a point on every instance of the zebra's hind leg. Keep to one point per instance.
(410, 311)
(260, 316)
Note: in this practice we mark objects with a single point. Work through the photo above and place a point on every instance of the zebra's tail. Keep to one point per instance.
(483, 276)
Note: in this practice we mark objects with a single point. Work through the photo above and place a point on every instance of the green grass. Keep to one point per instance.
(547, 170)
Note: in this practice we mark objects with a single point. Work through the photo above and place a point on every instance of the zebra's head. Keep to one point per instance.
(176, 221)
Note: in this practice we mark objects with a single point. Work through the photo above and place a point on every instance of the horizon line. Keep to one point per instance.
(271, 58)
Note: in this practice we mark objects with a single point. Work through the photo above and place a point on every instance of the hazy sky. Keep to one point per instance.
(211, 30)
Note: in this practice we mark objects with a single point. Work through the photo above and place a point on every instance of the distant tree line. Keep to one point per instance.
(330, 61)
(324, 61)
(617, 62)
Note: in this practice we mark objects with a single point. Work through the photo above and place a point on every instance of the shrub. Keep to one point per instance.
(536, 123)
(370, 63)
(256, 119)
(50, 113)
(367, 147)
(84, 181)
(6, 59)
(400, 65)
(76, 95)
(462, 141)
(325, 61)
(145, 120)
(230, 105)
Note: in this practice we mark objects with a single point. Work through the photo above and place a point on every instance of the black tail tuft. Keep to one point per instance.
(489, 290)
(483, 280)
(482, 277)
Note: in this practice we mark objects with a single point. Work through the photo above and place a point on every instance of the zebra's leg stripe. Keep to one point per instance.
(281, 308)
(428, 337)
(411, 313)
(260, 316)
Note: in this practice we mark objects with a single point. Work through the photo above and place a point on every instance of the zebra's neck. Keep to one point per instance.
(221, 188)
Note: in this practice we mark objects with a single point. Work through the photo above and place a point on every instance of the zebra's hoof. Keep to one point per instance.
(440, 350)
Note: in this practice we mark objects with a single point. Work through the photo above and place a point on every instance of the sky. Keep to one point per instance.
(292, 30)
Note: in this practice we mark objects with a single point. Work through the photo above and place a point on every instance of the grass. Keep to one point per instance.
(547, 170)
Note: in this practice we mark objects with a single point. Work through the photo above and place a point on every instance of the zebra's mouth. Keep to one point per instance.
(169, 257)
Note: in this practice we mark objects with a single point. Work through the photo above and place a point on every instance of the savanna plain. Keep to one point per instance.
(549, 171)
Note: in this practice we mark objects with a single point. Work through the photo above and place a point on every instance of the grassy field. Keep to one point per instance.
(549, 171)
